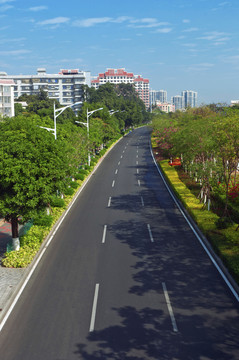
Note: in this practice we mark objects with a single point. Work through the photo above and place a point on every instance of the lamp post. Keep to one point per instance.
(88, 114)
(113, 111)
(60, 110)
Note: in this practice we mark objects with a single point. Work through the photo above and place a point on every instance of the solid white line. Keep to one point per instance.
(142, 201)
(113, 183)
(93, 313)
(116, 171)
(139, 182)
(104, 234)
(150, 233)
(109, 202)
(195, 233)
(170, 310)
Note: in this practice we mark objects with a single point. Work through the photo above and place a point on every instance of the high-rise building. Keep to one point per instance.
(177, 101)
(66, 86)
(117, 76)
(189, 98)
(6, 97)
(158, 95)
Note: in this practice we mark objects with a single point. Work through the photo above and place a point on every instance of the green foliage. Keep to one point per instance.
(225, 241)
(223, 222)
(33, 166)
(43, 220)
(69, 191)
(56, 201)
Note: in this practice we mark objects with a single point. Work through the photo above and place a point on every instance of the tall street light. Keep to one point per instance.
(60, 110)
(88, 114)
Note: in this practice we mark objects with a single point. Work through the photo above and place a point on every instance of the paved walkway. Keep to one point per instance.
(9, 278)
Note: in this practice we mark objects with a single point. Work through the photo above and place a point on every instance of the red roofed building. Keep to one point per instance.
(117, 76)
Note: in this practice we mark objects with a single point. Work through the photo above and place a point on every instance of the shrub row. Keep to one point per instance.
(31, 241)
(224, 241)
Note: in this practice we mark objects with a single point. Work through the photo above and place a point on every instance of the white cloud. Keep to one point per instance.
(7, 40)
(163, 30)
(121, 19)
(191, 29)
(5, 8)
(200, 67)
(6, 1)
(186, 21)
(147, 23)
(54, 21)
(234, 59)
(217, 38)
(38, 8)
(14, 52)
(91, 21)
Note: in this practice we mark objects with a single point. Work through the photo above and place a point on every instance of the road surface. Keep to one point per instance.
(124, 277)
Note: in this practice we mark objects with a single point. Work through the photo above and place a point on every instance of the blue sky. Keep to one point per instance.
(176, 44)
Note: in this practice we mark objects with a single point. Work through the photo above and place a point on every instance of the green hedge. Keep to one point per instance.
(31, 241)
(224, 241)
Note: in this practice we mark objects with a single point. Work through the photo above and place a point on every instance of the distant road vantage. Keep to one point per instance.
(124, 278)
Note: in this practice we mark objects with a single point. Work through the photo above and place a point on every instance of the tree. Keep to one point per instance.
(33, 166)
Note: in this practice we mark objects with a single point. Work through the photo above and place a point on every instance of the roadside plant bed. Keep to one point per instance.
(32, 240)
(224, 241)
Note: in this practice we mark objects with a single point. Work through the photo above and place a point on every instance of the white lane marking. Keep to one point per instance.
(150, 233)
(121, 156)
(139, 182)
(109, 202)
(125, 147)
(104, 234)
(170, 310)
(137, 163)
(231, 287)
(142, 201)
(137, 171)
(123, 151)
(93, 313)
(137, 156)
(119, 163)
(41, 252)
(116, 171)
(113, 183)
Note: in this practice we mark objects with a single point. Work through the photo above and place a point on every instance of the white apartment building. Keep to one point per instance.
(66, 86)
(177, 101)
(117, 76)
(6, 97)
(189, 98)
(158, 95)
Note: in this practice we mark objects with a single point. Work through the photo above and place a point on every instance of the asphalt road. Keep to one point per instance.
(124, 277)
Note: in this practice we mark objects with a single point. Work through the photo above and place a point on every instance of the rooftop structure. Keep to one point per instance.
(66, 86)
(117, 76)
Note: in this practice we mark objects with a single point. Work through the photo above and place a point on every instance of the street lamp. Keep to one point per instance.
(88, 114)
(60, 110)
(113, 111)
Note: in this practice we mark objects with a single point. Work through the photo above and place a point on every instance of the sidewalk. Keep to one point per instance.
(9, 278)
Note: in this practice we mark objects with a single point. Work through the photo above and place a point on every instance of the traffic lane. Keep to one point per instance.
(206, 313)
(61, 297)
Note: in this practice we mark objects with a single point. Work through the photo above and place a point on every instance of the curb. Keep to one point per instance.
(217, 262)
(28, 271)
